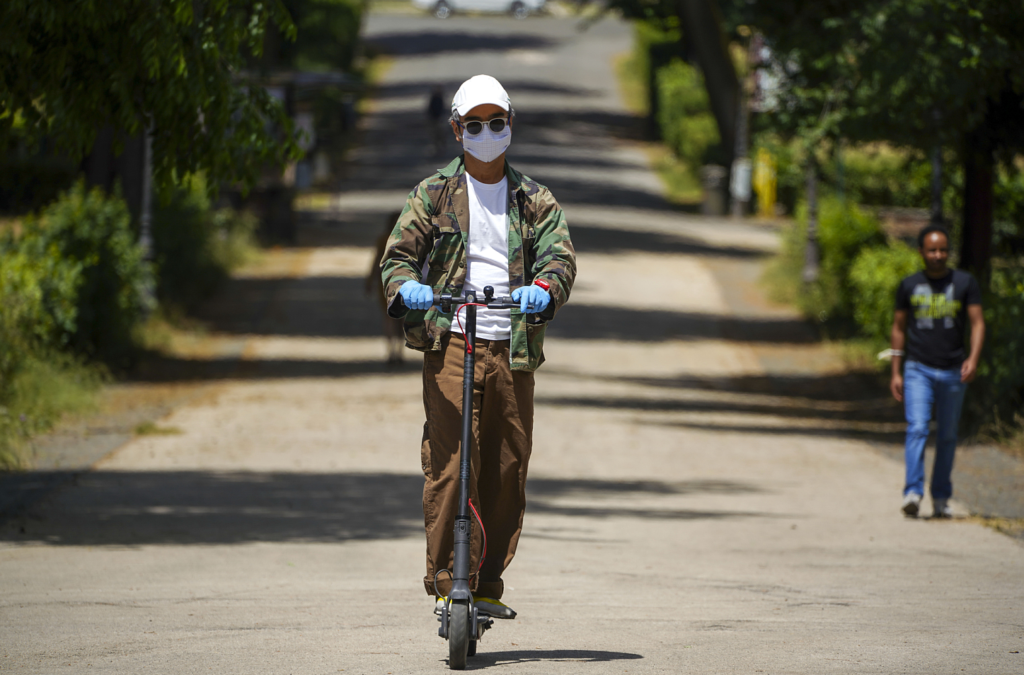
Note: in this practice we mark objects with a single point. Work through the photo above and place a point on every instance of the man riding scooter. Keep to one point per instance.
(476, 223)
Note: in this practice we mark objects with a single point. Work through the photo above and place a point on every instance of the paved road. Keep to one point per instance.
(704, 495)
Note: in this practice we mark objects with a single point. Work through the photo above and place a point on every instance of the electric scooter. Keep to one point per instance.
(461, 623)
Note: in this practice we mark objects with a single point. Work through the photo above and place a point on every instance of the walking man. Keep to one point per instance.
(478, 222)
(933, 308)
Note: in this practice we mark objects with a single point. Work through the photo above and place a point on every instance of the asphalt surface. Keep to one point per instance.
(706, 491)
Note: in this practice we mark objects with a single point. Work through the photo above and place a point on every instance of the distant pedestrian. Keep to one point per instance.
(933, 309)
(437, 119)
(394, 335)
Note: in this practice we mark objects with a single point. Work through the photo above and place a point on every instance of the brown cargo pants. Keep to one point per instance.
(501, 444)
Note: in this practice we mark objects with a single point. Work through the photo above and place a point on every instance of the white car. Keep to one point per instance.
(442, 9)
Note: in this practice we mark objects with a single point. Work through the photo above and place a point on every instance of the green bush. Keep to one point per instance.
(60, 281)
(195, 247)
(1008, 225)
(655, 43)
(874, 277)
(23, 326)
(39, 296)
(82, 247)
(880, 175)
(844, 230)
(996, 399)
(684, 114)
(870, 175)
(1000, 387)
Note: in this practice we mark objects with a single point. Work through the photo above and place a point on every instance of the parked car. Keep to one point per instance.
(442, 9)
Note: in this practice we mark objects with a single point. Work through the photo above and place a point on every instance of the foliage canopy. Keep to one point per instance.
(173, 66)
(913, 72)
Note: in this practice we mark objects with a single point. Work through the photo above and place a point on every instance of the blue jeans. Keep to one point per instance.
(923, 387)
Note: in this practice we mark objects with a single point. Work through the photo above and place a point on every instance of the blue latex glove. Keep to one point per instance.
(531, 299)
(416, 295)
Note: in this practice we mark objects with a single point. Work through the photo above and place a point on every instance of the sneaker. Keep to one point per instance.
(439, 605)
(941, 508)
(494, 608)
(911, 504)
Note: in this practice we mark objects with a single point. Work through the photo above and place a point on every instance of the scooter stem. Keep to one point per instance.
(460, 568)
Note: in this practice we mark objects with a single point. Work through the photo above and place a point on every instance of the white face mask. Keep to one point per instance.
(487, 146)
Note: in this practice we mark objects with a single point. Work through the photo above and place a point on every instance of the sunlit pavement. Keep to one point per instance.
(704, 495)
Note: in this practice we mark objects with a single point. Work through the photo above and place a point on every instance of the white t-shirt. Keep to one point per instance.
(488, 254)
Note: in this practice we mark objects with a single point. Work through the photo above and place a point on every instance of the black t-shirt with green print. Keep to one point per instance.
(937, 316)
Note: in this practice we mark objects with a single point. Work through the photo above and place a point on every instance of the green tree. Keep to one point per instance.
(328, 34)
(918, 73)
(173, 66)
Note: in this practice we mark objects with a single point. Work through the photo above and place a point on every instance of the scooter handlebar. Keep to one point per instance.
(446, 302)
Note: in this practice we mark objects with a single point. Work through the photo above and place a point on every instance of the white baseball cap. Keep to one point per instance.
(478, 90)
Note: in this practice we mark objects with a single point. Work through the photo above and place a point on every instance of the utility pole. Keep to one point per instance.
(741, 170)
(739, 176)
(146, 218)
(812, 255)
(145, 212)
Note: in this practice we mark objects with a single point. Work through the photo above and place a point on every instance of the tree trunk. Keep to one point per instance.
(976, 243)
(702, 26)
(99, 166)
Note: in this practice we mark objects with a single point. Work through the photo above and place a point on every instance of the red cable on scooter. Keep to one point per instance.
(482, 532)
(469, 347)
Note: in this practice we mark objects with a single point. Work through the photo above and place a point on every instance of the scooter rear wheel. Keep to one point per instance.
(458, 635)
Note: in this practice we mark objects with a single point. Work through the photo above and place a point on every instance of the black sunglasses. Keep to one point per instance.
(474, 127)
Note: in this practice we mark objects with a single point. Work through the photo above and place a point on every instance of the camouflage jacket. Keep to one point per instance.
(429, 245)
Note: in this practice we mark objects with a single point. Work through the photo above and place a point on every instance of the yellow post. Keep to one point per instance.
(764, 182)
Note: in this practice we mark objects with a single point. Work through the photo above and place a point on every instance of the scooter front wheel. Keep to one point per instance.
(458, 634)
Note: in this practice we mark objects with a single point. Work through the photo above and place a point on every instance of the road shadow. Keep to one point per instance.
(347, 228)
(848, 406)
(320, 306)
(881, 435)
(554, 487)
(432, 42)
(361, 229)
(136, 508)
(839, 387)
(590, 239)
(451, 85)
(603, 193)
(338, 308)
(781, 408)
(592, 322)
(402, 156)
(587, 126)
(158, 368)
(485, 659)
